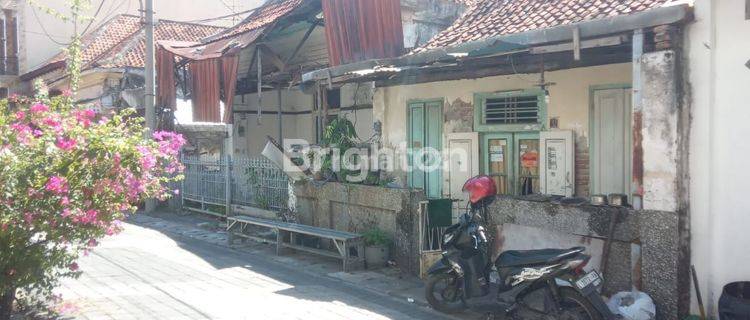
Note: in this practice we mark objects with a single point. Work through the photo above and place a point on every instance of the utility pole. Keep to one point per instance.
(150, 90)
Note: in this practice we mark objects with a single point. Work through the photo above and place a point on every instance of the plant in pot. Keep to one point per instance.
(376, 248)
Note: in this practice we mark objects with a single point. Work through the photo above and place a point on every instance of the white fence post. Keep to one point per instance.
(228, 185)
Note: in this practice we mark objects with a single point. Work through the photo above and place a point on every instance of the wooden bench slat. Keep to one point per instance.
(347, 239)
(299, 228)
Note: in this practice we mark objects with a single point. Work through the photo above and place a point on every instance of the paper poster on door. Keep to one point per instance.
(497, 157)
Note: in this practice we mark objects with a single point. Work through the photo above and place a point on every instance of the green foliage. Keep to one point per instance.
(376, 237)
(340, 134)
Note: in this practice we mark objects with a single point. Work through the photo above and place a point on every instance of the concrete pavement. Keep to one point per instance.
(160, 270)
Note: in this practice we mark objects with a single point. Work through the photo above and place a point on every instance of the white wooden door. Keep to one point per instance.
(557, 167)
(462, 153)
(611, 136)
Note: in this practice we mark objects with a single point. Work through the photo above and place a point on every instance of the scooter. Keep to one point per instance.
(550, 283)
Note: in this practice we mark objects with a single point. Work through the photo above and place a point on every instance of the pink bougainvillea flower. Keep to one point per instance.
(64, 201)
(92, 243)
(39, 107)
(28, 217)
(67, 93)
(73, 266)
(65, 143)
(84, 117)
(50, 122)
(20, 115)
(57, 184)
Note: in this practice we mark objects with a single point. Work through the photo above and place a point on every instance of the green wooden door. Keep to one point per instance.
(512, 160)
(426, 131)
(497, 160)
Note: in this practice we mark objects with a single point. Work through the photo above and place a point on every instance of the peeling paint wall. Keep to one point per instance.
(659, 131)
(359, 208)
(423, 19)
(569, 102)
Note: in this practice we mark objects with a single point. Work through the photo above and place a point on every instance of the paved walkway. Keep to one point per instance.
(149, 273)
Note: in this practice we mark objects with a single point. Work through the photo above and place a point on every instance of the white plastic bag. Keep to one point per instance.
(633, 305)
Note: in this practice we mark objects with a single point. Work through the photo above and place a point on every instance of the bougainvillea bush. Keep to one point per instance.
(68, 177)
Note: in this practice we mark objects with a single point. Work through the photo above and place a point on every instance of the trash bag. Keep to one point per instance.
(633, 305)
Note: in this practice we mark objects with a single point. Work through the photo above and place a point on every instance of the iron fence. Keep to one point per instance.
(212, 184)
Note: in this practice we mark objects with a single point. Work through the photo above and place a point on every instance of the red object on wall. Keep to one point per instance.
(205, 87)
(229, 77)
(166, 97)
(358, 30)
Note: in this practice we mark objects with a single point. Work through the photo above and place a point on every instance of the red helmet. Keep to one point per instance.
(480, 188)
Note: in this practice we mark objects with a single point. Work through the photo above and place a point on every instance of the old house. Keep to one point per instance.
(552, 99)
(279, 42)
(113, 57)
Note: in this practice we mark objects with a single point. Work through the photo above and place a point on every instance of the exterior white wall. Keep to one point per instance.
(569, 100)
(716, 55)
(298, 122)
(569, 96)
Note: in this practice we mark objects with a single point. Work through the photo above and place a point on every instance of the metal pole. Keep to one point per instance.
(228, 186)
(260, 83)
(150, 72)
(150, 75)
(281, 136)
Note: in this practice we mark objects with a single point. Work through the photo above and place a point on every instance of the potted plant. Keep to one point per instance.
(376, 248)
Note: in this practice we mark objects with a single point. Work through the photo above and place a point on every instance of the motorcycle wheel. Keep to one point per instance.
(444, 294)
(574, 306)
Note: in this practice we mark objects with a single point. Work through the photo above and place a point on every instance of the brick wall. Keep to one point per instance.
(582, 167)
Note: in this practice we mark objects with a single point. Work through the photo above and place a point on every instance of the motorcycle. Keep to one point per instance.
(550, 283)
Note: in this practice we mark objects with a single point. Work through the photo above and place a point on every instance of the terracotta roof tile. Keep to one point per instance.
(488, 18)
(119, 42)
(131, 53)
(261, 17)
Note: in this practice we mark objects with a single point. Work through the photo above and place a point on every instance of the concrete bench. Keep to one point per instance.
(350, 246)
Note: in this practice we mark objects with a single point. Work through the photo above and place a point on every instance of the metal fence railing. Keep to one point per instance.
(212, 184)
(259, 183)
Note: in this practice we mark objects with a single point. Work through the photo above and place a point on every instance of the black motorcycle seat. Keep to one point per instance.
(517, 258)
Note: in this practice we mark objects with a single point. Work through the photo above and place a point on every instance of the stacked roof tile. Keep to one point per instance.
(120, 42)
(488, 18)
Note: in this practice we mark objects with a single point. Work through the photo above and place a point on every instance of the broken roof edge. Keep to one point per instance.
(493, 45)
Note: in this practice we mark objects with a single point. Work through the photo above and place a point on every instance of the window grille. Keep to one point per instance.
(511, 110)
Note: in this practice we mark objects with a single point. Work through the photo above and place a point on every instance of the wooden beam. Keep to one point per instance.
(584, 44)
(494, 67)
(273, 57)
(576, 44)
(302, 42)
(252, 62)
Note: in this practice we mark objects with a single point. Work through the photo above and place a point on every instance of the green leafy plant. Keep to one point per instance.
(376, 237)
(341, 134)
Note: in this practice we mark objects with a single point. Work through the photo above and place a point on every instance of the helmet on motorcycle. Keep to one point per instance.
(480, 188)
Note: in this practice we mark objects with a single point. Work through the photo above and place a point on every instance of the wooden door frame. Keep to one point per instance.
(473, 137)
(508, 156)
(593, 173)
(425, 102)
